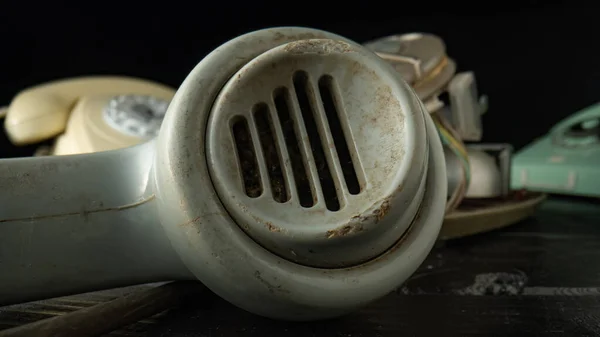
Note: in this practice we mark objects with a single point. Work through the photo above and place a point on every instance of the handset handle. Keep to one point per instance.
(71, 224)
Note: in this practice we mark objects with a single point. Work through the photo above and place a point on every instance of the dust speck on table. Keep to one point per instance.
(495, 284)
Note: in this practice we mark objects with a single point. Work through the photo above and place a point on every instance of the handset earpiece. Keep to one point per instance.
(46, 110)
(295, 174)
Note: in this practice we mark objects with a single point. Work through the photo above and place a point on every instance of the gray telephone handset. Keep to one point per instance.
(288, 185)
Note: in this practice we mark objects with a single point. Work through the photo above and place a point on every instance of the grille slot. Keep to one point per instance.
(247, 157)
(331, 103)
(304, 93)
(312, 101)
(290, 132)
(271, 153)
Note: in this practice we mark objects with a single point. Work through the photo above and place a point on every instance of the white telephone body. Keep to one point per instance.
(421, 60)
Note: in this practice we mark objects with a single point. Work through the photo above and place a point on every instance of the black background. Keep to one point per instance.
(538, 63)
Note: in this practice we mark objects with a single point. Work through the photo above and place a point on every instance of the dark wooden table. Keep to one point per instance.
(538, 278)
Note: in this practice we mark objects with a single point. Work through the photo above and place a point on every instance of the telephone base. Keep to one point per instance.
(565, 161)
(542, 167)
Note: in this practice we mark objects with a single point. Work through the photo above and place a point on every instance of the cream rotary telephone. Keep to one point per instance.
(290, 186)
(88, 114)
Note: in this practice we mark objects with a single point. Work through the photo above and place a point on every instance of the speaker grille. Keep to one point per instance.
(317, 120)
(315, 143)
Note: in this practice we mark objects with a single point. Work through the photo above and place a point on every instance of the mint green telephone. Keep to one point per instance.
(566, 160)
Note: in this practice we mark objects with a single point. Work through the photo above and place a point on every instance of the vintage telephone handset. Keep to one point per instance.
(88, 114)
(288, 185)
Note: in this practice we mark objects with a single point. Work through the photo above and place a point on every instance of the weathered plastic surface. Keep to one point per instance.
(151, 213)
